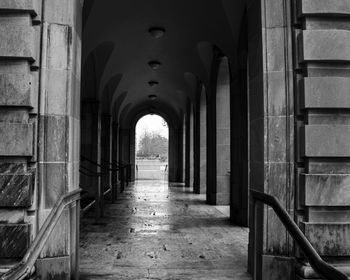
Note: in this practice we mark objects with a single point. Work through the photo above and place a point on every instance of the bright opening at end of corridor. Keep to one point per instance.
(152, 148)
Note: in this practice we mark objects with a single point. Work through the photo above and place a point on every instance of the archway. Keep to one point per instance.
(42, 97)
(152, 148)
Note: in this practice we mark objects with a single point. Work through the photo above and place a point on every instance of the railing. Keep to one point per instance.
(25, 267)
(106, 168)
(317, 263)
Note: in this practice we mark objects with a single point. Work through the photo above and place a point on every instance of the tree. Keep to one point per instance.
(153, 145)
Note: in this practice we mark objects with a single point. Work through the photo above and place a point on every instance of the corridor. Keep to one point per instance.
(162, 231)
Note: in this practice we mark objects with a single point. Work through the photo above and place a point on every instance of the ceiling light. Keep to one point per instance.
(152, 97)
(154, 64)
(156, 32)
(153, 83)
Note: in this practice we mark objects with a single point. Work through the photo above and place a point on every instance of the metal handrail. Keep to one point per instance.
(92, 173)
(25, 267)
(317, 263)
(114, 164)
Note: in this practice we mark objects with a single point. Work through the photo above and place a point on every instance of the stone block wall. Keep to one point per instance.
(18, 124)
(322, 67)
(39, 124)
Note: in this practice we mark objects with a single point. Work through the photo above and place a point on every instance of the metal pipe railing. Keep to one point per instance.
(25, 267)
(317, 263)
(114, 167)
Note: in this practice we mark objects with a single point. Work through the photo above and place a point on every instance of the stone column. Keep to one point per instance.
(106, 150)
(59, 128)
(115, 159)
(188, 145)
(203, 142)
(240, 133)
(132, 156)
(175, 155)
(184, 149)
(223, 148)
(196, 143)
(271, 124)
(191, 148)
(211, 146)
(91, 149)
(124, 146)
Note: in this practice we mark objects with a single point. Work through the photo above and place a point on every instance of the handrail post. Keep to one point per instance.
(254, 239)
(77, 238)
(122, 169)
(114, 170)
(99, 199)
(128, 174)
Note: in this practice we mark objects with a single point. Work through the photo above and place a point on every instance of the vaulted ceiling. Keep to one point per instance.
(117, 47)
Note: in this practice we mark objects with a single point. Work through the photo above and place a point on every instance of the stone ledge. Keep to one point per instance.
(19, 6)
(14, 240)
(325, 92)
(16, 139)
(16, 190)
(305, 271)
(324, 7)
(325, 189)
(15, 90)
(324, 45)
(17, 42)
(326, 140)
(328, 239)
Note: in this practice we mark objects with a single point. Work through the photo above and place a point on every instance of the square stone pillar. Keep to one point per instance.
(106, 150)
(188, 146)
(59, 131)
(91, 151)
(203, 142)
(271, 130)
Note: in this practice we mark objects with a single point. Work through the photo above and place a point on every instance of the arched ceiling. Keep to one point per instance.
(192, 27)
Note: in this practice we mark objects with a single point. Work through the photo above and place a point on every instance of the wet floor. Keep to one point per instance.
(161, 231)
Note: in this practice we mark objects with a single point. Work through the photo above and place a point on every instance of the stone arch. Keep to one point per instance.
(128, 123)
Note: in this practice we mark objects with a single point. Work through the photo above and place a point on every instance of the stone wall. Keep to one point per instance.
(39, 125)
(19, 80)
(322, 32)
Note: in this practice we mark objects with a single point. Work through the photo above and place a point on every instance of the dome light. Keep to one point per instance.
(157, 32)
(153, 83)
(154, 64)
(152, 97)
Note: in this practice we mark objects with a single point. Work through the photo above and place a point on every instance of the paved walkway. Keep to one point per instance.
(156, 231)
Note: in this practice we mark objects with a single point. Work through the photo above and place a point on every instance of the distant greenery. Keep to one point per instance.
(153, 145)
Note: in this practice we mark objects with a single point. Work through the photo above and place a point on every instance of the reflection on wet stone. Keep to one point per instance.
(156, 231)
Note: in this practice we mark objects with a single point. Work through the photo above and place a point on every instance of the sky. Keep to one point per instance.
(151, 123)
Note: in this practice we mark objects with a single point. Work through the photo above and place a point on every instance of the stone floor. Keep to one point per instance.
(156, 231)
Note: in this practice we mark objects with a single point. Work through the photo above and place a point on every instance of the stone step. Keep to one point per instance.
(6, 265)
(305, 271)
